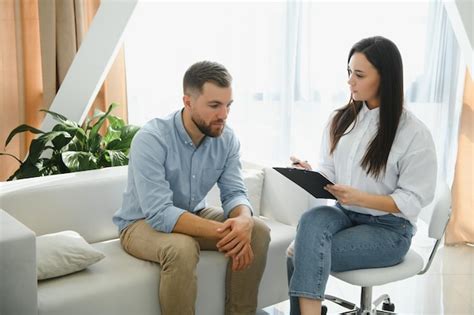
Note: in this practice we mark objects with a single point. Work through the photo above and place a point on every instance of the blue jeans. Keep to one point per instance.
(331, 238)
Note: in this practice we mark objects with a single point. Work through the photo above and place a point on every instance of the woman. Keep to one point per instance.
(383, 162)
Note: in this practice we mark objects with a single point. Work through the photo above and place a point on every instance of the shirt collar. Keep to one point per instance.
(179, 125)
(183, 134)
(365, 110)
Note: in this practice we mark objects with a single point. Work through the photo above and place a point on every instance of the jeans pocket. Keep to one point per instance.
(397, 224)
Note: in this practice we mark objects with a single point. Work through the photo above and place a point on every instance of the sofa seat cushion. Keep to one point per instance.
(123, 284)
(118, 284)
(274, 285)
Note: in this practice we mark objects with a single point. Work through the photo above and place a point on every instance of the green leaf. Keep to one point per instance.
(94, 142)
(19, 129)
(62, 119)
(97, 113)
(116, 158)
(116, 122)
(52, 135)
(61, 141)
(114, 144)
(79, 161)
(126, 136)
(37, 148)
(54, 165)
(113, 131)
(95, 128)
(78, 142)
(56, 116)
(27, 170)
(39, 145)
(111, 135)
(71, 128)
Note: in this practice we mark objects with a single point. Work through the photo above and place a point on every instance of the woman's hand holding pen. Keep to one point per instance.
(297, 163)
(346, 195)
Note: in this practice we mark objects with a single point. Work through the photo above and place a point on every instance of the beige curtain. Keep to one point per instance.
(20, 71)
(461, 226)
(39, 41)
(63, 25)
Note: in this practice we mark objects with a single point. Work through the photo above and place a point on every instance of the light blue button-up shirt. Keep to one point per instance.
(168, 175)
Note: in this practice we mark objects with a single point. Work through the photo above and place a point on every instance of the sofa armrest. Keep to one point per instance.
(283, 200)
(18, 280)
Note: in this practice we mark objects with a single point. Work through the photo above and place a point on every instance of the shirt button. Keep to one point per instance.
(194, 176)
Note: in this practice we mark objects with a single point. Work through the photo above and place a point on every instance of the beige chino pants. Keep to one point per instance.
(178, 255)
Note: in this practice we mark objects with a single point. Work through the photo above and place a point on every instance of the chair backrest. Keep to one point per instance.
(441, 210)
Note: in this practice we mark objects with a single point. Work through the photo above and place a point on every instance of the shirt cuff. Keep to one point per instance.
(234, 202)
(165, 220)
(407, 203)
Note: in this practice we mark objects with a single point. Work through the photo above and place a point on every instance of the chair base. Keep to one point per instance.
(367, 307)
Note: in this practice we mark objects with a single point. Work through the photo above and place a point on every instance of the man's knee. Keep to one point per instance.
(260, 234)
(182, 253)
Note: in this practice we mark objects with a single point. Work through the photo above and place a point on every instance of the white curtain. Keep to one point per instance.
(288, 60)
(436, 97)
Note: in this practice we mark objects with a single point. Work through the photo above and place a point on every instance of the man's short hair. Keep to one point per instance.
(202, 72)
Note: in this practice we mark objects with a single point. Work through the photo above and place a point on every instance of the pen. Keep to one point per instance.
(298, 162)
(295, 162)
(301, 164)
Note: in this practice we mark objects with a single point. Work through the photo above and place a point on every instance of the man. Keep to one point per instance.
(174, 162)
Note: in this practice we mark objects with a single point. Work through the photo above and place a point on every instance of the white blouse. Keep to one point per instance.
(410, 176)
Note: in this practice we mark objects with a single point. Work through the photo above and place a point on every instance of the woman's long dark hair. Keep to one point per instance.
(385, 57)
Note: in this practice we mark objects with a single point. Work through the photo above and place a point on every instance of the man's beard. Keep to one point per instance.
(207, 129)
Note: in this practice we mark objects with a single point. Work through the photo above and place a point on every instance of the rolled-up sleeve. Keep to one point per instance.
(418, 172)
(231, 183)
(152, 189)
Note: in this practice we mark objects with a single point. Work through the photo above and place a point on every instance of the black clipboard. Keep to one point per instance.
(311, 181)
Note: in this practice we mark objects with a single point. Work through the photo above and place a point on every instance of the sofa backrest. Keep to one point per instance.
(83, 202)
(86, 201)
(253, 176)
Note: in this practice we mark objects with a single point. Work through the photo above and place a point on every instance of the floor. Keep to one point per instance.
(447, 288)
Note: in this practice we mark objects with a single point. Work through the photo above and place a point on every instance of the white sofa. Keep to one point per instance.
(119, 284)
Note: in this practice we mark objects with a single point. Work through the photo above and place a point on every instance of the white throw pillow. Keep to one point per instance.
(62, 253)
(253, 180)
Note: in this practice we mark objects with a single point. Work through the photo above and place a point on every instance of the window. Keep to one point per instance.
(288, 60)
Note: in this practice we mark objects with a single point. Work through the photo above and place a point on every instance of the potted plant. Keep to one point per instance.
(69, 147)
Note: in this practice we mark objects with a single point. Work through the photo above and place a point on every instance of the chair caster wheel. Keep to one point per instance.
(324, 310)
(387, 306)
